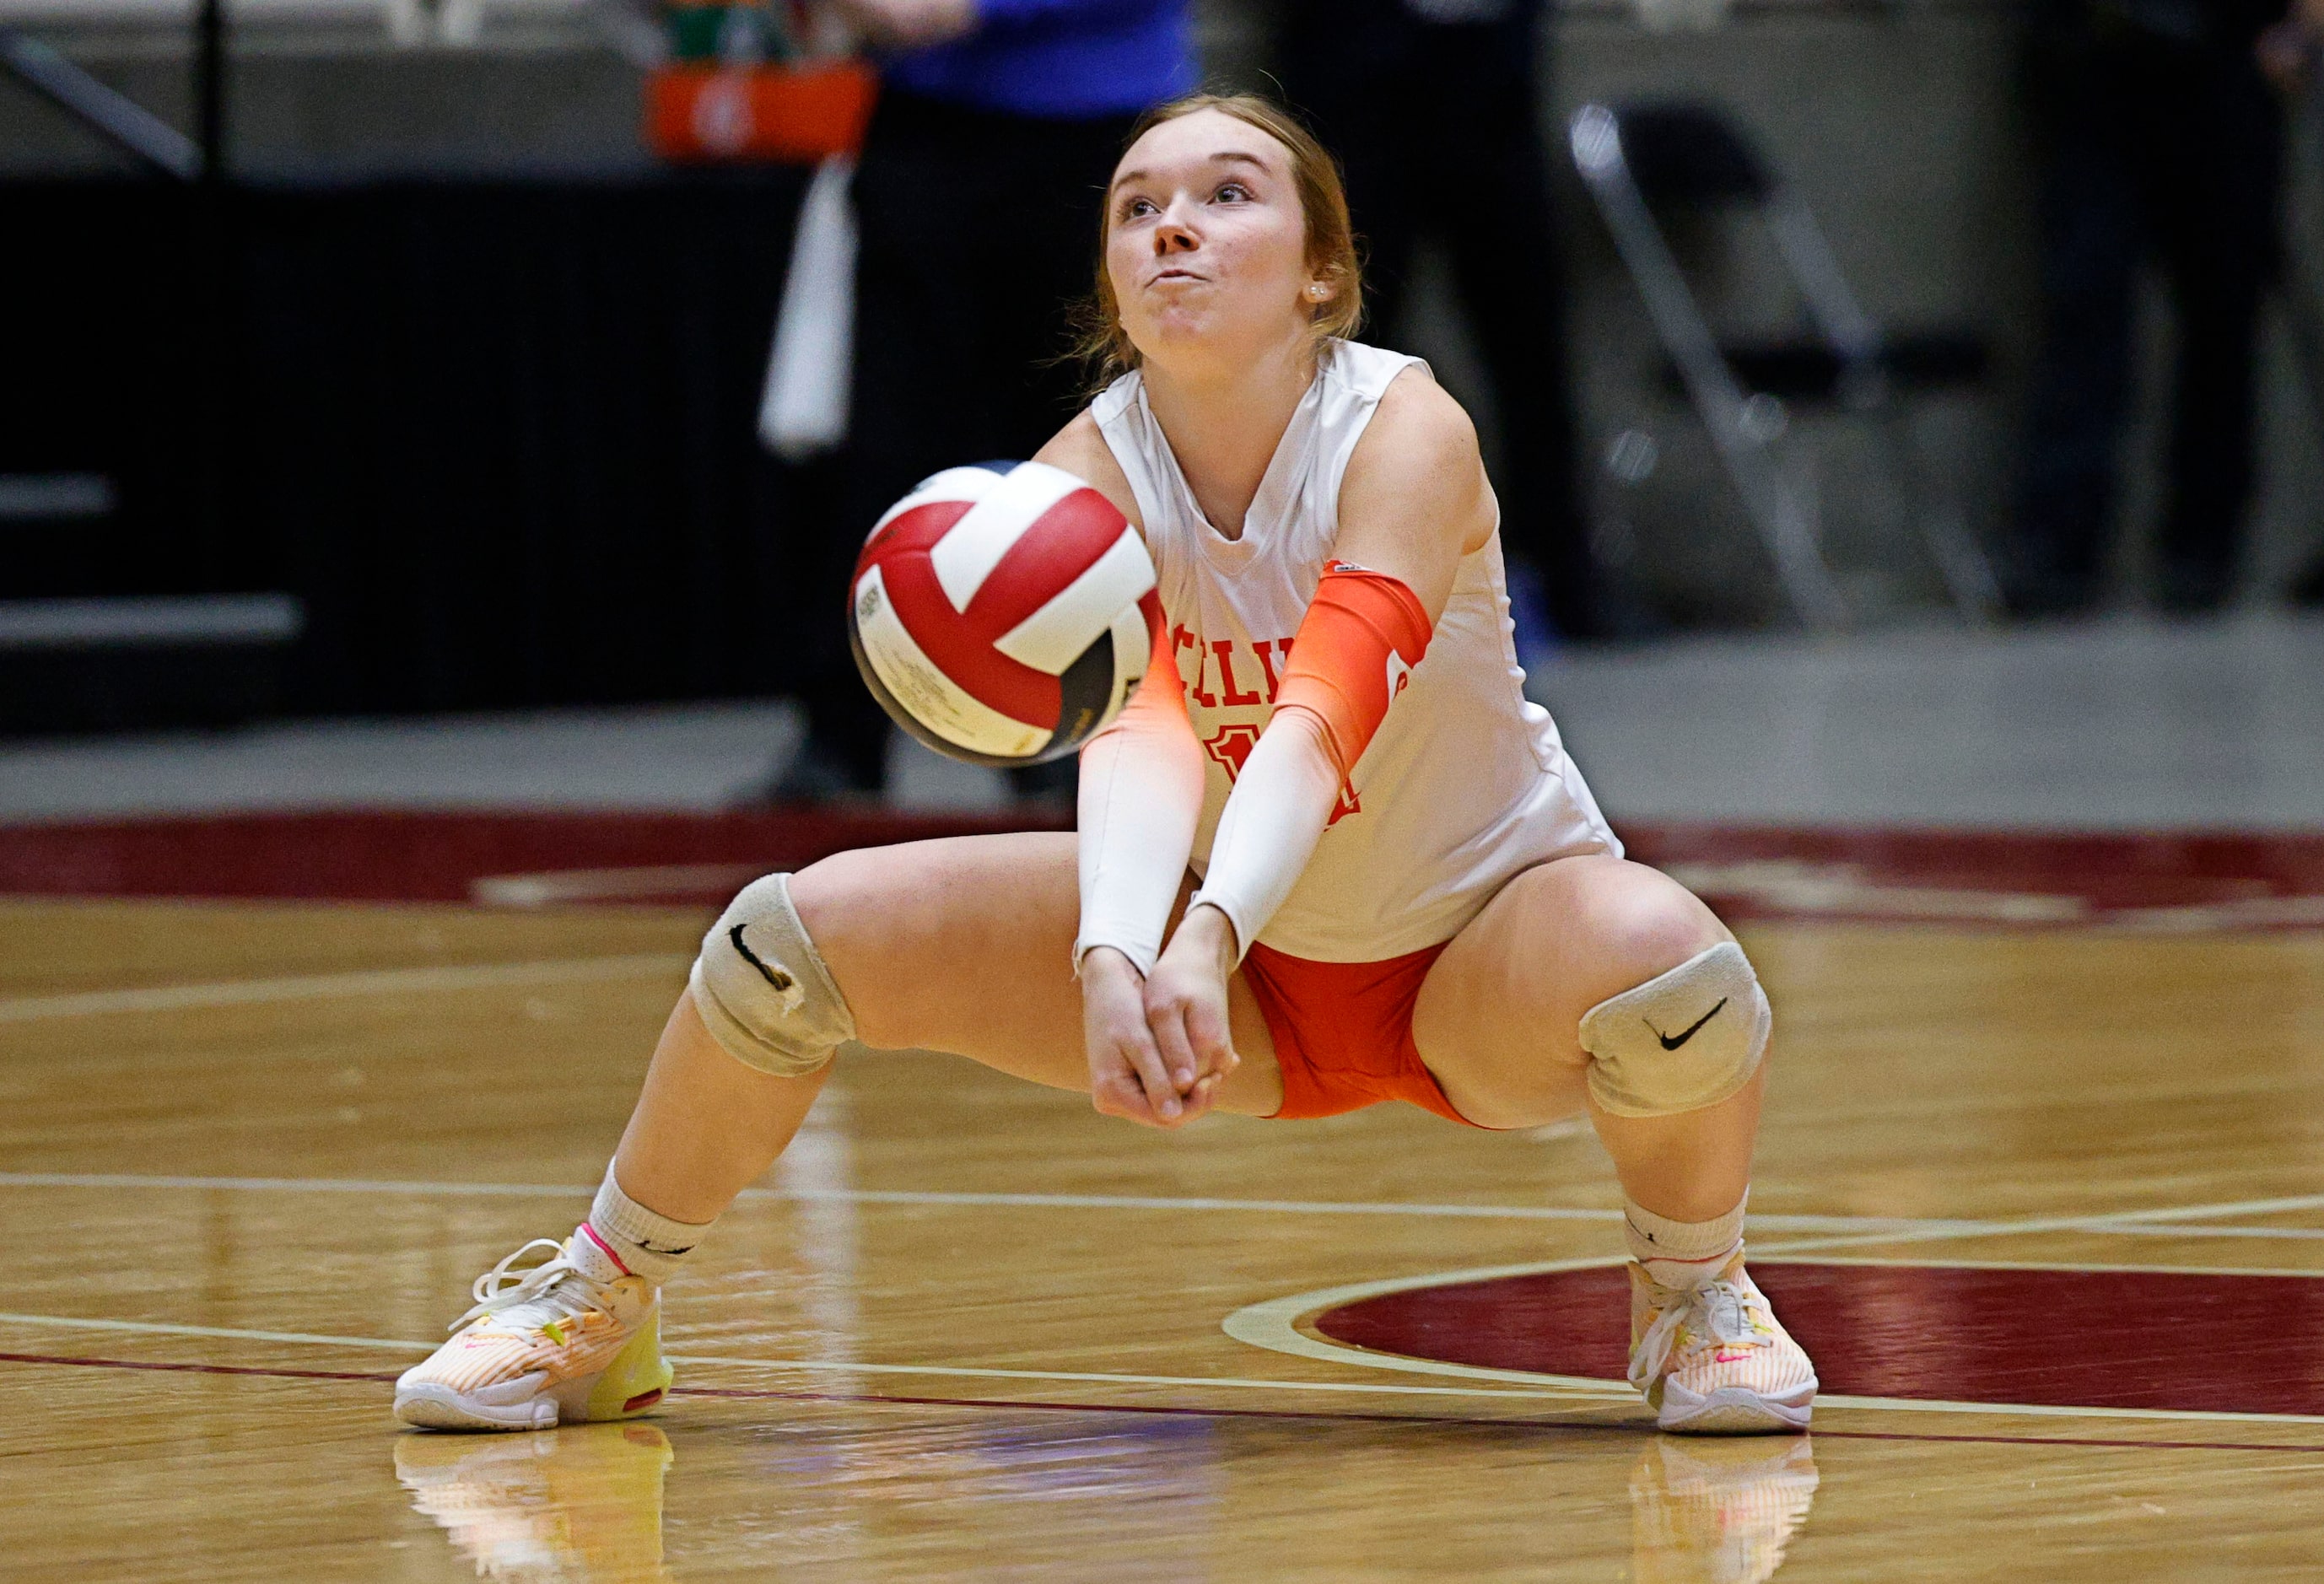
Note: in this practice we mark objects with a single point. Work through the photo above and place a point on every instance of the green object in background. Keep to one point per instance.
(738, 33)
(694, 29)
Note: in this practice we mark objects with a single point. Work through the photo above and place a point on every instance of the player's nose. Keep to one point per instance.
(1178, 232)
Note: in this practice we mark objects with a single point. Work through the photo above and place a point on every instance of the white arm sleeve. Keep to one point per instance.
(1273, 819)
(1141, 796)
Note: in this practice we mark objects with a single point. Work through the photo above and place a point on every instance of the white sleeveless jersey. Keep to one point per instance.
(1465, 784)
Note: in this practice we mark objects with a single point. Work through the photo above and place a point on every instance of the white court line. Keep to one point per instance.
(1273, 1324)
(551, 888)
(1580, 1390)
(1850, 1230)
(1268, 1324)
(316, 987)
(814, 1366)
(1227, 1382)
(2145, 1229)
(2073, 1265)
(2129, 1223)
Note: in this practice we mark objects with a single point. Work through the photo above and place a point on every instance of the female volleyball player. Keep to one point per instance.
(1407, 891)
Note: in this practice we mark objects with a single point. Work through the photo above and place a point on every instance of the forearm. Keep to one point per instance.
(1281, 802)
(1355, 649)
(1141, 795)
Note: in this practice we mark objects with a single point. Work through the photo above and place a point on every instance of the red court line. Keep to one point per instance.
(414, 855)
(190, 1368)
(1464, 1421)
(1752, 871)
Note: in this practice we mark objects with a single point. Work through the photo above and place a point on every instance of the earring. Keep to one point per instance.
(1315, 288)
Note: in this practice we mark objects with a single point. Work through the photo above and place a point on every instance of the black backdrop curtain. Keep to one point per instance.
(499, 435)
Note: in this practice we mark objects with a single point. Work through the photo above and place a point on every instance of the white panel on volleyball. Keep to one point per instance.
(931, 697)
(972, 546)
(953, 483)
(1055, 636)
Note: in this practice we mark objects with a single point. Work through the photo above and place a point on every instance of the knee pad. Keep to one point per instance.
(762, 989)
(1683, 1040)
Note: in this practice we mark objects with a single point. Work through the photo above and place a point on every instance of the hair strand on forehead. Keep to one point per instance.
(1102, 345)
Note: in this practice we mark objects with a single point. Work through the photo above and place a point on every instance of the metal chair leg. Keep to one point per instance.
(1785, 522)
(1857, 339)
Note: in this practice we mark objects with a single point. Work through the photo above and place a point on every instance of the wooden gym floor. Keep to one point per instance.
(2045, 1196)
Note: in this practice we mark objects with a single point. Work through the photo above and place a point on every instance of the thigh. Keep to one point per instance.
(1498, 1020)
(965, 945)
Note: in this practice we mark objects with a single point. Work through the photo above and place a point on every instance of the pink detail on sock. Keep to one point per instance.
(608, 1248)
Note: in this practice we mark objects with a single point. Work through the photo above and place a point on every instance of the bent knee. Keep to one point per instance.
(848, 905)
(762, 989)
(1685, 1023)
(1643, 925)
(839, 898)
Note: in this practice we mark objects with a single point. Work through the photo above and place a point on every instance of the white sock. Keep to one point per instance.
(645, 1243)
(1682, 1254)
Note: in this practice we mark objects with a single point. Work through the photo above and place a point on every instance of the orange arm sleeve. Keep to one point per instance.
(1356, 647)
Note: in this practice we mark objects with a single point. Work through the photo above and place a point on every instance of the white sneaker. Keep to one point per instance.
(575, 1337)
(1714, 1361)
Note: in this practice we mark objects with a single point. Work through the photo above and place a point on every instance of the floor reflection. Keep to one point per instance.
(584, 1505)
(1718, 1512)
(575, 1505)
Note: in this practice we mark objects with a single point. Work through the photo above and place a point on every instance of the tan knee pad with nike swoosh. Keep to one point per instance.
(1683, 1040)
(763, 989)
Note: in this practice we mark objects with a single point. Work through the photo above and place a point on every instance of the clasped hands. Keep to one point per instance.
(1158, 1044)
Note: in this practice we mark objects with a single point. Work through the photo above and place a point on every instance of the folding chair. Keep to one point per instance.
(1641, 158)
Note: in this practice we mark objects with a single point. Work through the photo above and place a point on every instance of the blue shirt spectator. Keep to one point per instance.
(1070, 59)
(988, 108)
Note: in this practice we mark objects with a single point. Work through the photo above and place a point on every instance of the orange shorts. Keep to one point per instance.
(1344, 1032)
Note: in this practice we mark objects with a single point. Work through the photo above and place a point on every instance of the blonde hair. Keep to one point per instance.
(1104, 347)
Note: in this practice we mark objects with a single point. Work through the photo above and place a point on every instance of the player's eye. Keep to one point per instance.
(1138, 209)
(1233, 192)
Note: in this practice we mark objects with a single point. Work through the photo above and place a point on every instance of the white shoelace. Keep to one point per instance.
(521, 1300)
(1720, 1304)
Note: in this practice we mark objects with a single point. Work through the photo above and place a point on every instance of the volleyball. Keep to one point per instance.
(1002, 614)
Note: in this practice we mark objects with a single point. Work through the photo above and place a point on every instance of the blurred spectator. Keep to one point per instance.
(978, 198)
(2160, 135)
(2294, 56)
(1432, 106)
(2289, 51)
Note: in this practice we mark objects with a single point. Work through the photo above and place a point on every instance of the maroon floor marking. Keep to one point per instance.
(167, 1368)
(406, 856)
(2107, 870)
(2241, 1344)
(1465, 1421)
(437, 857)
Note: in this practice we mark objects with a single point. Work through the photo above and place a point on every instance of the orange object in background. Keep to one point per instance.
(711, 112)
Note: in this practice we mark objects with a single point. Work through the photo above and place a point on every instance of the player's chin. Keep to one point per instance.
(1180, 327)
